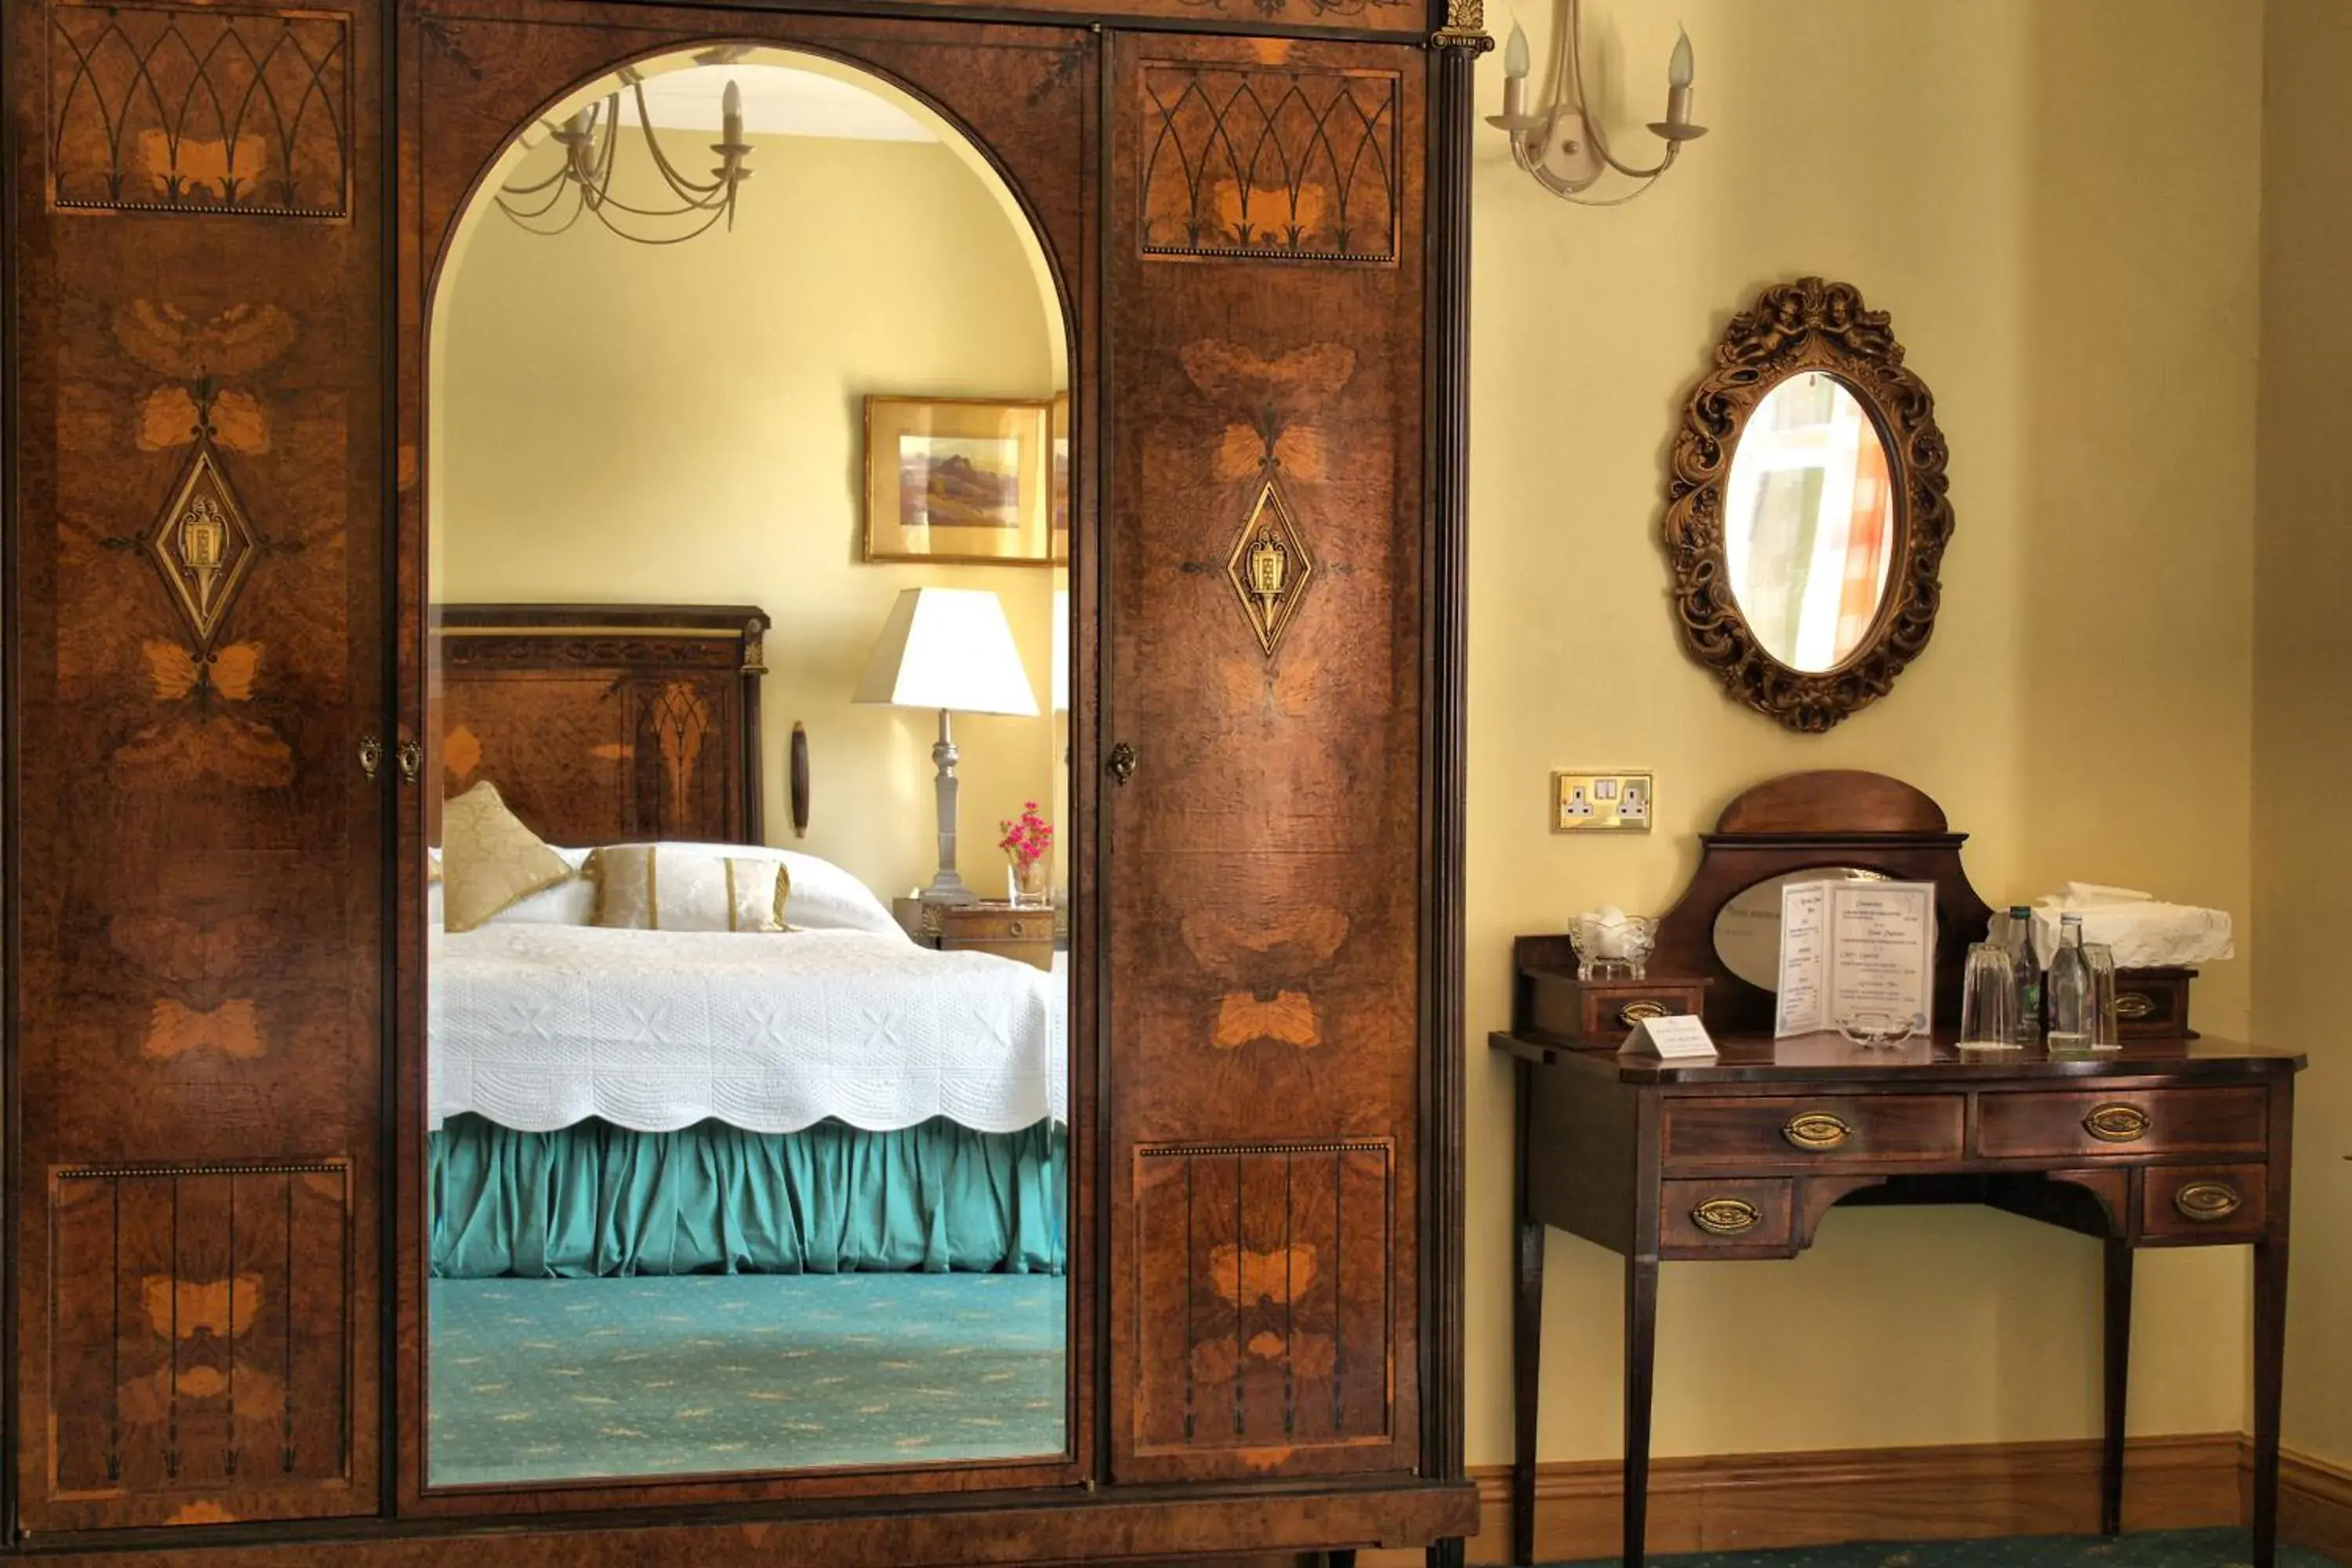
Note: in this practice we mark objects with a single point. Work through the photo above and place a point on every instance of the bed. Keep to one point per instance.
(604, 1103)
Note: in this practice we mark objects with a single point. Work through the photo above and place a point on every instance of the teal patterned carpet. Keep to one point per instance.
(2165, 1549)
(548, 1379)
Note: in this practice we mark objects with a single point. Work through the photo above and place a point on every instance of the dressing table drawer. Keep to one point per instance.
(1716, 1216)
(2148, 1122)
(2196, 1202)
(1814, 1129)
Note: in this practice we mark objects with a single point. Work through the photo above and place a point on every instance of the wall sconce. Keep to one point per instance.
(1563, 144)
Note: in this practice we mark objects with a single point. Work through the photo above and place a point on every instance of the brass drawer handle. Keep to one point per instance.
(1816, 1130)
(2134, 1005)
(2116, 1123)
(1726, 1216)
(1016, 928)
(1634, 1013)
(2206, 1202)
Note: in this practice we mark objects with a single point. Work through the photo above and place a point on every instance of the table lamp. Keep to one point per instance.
(949, 649)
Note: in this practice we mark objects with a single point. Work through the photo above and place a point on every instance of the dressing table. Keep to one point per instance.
(2166, 1142)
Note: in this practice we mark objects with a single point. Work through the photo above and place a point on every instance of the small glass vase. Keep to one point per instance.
(1027, 880)
(1615, 949)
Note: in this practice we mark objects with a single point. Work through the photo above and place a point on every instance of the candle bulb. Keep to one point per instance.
(1679, 83)
(730, 115)
(1516, 60)
(1515, 64)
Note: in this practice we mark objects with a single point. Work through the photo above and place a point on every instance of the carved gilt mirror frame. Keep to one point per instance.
(1810, 325)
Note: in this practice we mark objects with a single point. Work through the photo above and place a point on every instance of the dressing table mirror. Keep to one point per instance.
(2170, 1140)
(1806, 515)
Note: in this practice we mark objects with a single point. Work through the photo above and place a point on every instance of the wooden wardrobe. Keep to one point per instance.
(215, 661)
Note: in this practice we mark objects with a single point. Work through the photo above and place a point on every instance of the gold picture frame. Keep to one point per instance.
(959, 480)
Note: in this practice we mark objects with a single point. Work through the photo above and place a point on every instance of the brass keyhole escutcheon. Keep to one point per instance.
(2116, 1123)
(2206, 1202)
(1122, 764)
(1634, 1013)
(1816, 1130)
(370, 754)
(2134, 1004)
(1726, 1216)
(411, 755)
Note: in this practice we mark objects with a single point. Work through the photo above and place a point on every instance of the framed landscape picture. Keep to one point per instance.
(959, 480)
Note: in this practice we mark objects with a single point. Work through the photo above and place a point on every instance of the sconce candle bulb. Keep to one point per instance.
(1678, 68)
(1517, 59)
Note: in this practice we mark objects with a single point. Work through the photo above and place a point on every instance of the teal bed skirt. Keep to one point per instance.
(594, 1200)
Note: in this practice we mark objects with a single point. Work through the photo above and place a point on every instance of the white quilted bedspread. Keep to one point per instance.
(537, 1027)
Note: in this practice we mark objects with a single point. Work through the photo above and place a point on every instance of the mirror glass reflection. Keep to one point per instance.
(1809, 531)
(748, 1147)
(1748, 926)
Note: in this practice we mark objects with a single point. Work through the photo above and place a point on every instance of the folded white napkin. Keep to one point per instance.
(2144, 933)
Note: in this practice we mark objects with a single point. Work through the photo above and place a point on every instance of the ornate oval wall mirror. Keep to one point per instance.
(1806, 514)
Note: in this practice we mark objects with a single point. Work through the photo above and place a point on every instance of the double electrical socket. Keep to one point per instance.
(1602, 803)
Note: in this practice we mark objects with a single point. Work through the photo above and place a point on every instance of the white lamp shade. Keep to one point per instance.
(950, 648)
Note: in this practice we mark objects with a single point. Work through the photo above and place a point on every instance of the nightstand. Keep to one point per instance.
(1023, 931)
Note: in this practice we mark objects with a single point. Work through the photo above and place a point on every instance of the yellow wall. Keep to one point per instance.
(2302, 680)
(683, 425)
(2058, 203)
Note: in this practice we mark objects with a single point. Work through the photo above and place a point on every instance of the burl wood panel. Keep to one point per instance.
(1264, 1310)
(202, 1327)
(1263, 856)
(598, 732)
(198, 877)
(474, 73)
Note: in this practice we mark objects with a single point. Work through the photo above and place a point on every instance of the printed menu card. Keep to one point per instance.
(1855, 950)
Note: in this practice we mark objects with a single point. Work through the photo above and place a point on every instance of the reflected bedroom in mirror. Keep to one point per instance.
(748, 980)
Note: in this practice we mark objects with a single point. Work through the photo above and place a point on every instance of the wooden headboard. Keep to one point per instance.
(606, 724)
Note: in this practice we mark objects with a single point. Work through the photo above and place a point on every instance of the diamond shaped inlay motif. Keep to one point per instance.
(1270, 566)
(202, 545)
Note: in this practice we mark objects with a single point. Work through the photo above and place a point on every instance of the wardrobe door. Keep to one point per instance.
(1266, 503)
(198, 646)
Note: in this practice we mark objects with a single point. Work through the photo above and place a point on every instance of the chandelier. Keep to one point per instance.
(591, 140)
(1563, 144)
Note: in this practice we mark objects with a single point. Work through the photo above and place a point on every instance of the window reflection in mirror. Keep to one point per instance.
(1809, 514)
(743, 1156)
(1748, 926)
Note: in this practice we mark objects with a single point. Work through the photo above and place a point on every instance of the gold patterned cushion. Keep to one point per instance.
(672, 887)
(488, 859)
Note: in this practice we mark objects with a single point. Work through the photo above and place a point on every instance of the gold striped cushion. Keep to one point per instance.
(668, 886)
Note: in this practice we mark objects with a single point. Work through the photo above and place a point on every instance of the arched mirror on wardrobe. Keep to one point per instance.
(745, 373)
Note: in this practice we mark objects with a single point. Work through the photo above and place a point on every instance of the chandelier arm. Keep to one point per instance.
(525, 223)
(693, 192)
(703, 228)
(557, 178)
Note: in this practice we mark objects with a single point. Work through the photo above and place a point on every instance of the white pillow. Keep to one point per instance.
(824, 897)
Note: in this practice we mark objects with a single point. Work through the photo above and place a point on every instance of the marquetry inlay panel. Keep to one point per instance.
(199, 1329)
(1289, 165)
(199, 109)
(1262, 1295)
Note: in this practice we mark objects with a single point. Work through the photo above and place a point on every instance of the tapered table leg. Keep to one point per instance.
(1641, 1355)
(1340, 1559)
(1451, 1553)
(1527, 1350)
(2118, 1355)
(2270, 1361)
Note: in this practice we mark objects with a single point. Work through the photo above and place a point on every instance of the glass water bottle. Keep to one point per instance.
(2017, 939)
(2069, 989)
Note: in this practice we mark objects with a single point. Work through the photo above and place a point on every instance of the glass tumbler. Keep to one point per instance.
(1988, 1001)
(2107, 1029)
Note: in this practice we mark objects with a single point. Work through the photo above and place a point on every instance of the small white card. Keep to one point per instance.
(1676, 1035)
